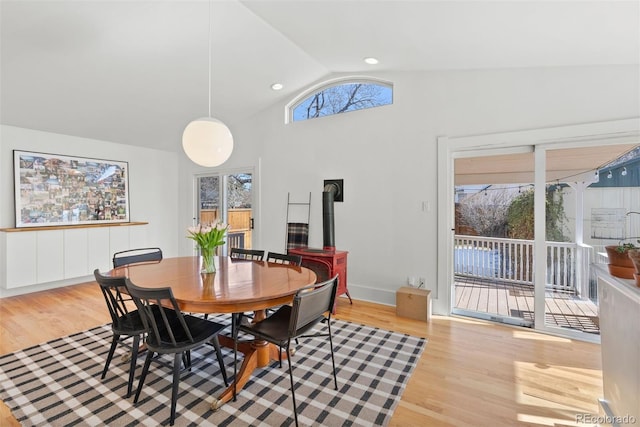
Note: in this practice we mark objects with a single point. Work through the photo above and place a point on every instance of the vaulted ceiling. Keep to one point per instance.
(136, 72)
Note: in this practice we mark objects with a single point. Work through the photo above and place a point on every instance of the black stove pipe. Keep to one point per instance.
(328, 226)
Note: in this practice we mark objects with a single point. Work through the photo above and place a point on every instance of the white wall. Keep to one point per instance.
(387, 157)
(153, 181)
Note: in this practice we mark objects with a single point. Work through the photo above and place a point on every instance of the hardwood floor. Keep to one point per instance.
(472, 373)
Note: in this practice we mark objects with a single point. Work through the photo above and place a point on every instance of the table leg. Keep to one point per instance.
(257, 354)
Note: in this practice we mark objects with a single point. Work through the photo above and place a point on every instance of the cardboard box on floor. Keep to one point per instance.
(413, 303)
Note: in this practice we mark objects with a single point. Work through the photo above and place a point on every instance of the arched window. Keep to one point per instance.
(340, 96)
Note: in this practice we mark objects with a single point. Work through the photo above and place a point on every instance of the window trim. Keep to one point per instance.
(301, 97)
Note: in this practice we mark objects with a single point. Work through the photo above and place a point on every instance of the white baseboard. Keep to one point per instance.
(4, 293)
(364, 293)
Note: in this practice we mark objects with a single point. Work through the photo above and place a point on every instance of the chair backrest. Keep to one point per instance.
(284, 258)
(252, 254)
(132, 256)
(112, 289)
(161, 316)
(311, 303)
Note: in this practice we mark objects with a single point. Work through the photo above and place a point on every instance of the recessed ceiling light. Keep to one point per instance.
(371, 60)
(277, 86)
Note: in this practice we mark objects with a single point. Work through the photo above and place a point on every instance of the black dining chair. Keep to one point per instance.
(125, 321)
(279, 258)
(172, 332)
(249, 254)
(132, 256)
(287, 259)
(311, 305)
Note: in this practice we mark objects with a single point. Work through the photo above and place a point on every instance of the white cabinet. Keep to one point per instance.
(49, 256)
(21, 259)
(98, 249)
(76, 253)
(620, 344)
(42, 256)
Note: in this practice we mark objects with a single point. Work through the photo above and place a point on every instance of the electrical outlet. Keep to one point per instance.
(422, 282)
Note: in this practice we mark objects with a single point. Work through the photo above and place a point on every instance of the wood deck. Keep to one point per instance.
(516, 300)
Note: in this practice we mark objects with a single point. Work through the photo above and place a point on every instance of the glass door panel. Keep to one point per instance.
(585, 212)
(239, 209)
(208, 199)
(492, 260)
(570, 300)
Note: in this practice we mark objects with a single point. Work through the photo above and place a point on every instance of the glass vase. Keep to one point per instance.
(208, 260)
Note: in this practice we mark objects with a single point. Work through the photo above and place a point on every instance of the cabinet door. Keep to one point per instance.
(49, 255)
(98, 250)
(75, 253)
(21, 259)
(118, 239)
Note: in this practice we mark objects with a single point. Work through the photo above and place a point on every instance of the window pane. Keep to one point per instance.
(239, 186)
(342, 98)
(240, 213)
(209, 199)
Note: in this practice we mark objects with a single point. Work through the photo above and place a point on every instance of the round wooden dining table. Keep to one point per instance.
(236, 286)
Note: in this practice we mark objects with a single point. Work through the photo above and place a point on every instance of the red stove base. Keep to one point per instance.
(326, 263)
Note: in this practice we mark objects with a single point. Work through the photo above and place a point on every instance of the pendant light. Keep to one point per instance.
(207, 141)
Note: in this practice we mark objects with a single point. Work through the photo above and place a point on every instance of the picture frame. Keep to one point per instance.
(62, 190)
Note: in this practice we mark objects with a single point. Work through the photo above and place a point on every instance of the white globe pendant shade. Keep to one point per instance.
(207, 142)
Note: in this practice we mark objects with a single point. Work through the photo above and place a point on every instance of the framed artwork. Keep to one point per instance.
(53, 189)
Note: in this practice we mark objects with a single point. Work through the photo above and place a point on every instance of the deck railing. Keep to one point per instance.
(239, 225)
(511, 260)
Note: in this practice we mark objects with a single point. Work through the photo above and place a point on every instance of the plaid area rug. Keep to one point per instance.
(58, 383)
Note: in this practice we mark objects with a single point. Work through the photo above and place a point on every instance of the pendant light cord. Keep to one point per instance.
(207, 141)
(210, 43)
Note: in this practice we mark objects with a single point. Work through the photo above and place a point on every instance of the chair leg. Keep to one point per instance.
(223, 369)
(333, 361)
(145, 369)
(234, 334)
(235, 322)
(185, 362)
(293, 393)
(174, 387)
(112, 349)
(132, 365)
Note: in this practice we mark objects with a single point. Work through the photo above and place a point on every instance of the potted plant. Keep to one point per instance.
(208, 238)
(620, 264)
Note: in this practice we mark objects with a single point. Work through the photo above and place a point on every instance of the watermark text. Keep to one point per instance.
(606, 419)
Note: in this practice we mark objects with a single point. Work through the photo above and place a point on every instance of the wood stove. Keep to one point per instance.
(327, 262)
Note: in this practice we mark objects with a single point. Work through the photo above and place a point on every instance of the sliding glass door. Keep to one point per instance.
(227, 198)
(558, 210)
